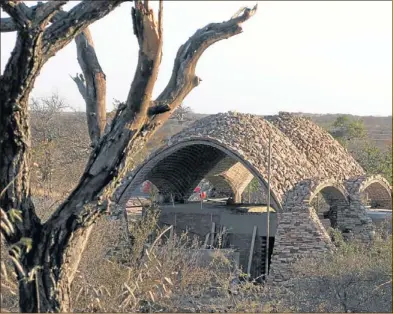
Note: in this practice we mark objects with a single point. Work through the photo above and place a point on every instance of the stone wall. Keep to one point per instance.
(174, 167)
(196, 224)
(306, 160)
(350, 212)
(231, 177)
(298, 233)
(300, 150)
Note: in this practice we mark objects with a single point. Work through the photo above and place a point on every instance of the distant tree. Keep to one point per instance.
(181, 113)
(45, 132)
(352, 134)
(59, 139)
(375, 160)
(346, 129)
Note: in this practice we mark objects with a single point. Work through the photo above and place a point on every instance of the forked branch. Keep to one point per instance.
(65, 28)
(91, 85)
(18, 13)
(183, 78)
(149, 34)
(23, 17)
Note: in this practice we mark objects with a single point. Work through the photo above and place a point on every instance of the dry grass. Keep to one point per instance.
(8, 283)
(167, 276)
(116, 276)
(356, 278)
(152, 278)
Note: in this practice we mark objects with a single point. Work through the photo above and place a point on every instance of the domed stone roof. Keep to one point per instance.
(300, 150)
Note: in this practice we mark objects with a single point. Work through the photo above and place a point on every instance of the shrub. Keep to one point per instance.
(356, 277)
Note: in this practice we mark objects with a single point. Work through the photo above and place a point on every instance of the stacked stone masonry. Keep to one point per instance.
(306, 162)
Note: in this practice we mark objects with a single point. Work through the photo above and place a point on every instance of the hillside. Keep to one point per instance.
(379, 129)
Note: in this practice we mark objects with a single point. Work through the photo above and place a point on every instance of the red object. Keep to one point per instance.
(146, 187)
(203, 195)
(197, 190)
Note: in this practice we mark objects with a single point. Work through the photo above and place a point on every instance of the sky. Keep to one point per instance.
(307, 56)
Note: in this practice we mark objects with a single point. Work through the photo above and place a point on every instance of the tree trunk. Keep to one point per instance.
(51, 268)
(15, 86)
(46, 270)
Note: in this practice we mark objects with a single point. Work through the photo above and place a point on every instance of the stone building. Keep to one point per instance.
(229, 149)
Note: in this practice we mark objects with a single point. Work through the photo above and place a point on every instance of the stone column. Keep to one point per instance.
(299, 233)
(354, 218)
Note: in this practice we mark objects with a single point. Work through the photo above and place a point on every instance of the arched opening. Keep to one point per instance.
(178, 169)
(330, 202)
(376, 194)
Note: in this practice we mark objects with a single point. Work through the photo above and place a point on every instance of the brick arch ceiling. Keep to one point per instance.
(229, 176)
(191, 154)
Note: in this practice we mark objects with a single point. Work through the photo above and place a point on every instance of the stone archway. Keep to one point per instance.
(336, 200)
(179, 168)
(374, 191)
(301, 151)
(230, 178)
(300, 230)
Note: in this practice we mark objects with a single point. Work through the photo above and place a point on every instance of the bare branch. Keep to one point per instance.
(18, 13)
(183, 78)
(7, 25)
(146, 4)
(92, 85)
(45, 11)
(65, 28)
(150, 41)
(29, 56)
(80, 81)
(160, 19)
(38, 15)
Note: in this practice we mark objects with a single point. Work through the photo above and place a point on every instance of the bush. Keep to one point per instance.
(355, 278)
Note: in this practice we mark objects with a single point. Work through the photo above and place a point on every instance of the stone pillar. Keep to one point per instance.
(237, 196)
(354, 218)
(299, 233)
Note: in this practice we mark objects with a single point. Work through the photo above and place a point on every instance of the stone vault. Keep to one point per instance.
(229, 149)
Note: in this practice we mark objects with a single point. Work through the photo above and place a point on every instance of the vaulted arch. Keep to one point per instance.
(372, 190)
(179, 168)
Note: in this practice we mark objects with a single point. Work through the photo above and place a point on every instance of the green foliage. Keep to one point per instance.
(352, 132)
(375, 161)
(347, 129)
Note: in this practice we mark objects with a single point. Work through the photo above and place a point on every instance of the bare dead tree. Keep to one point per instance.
(180, 114)
(46, 269)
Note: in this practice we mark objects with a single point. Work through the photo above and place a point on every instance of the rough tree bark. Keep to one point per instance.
(92, 85)
(36, 42)
(47, 265)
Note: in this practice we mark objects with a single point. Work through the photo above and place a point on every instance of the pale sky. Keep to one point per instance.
(311, 56)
